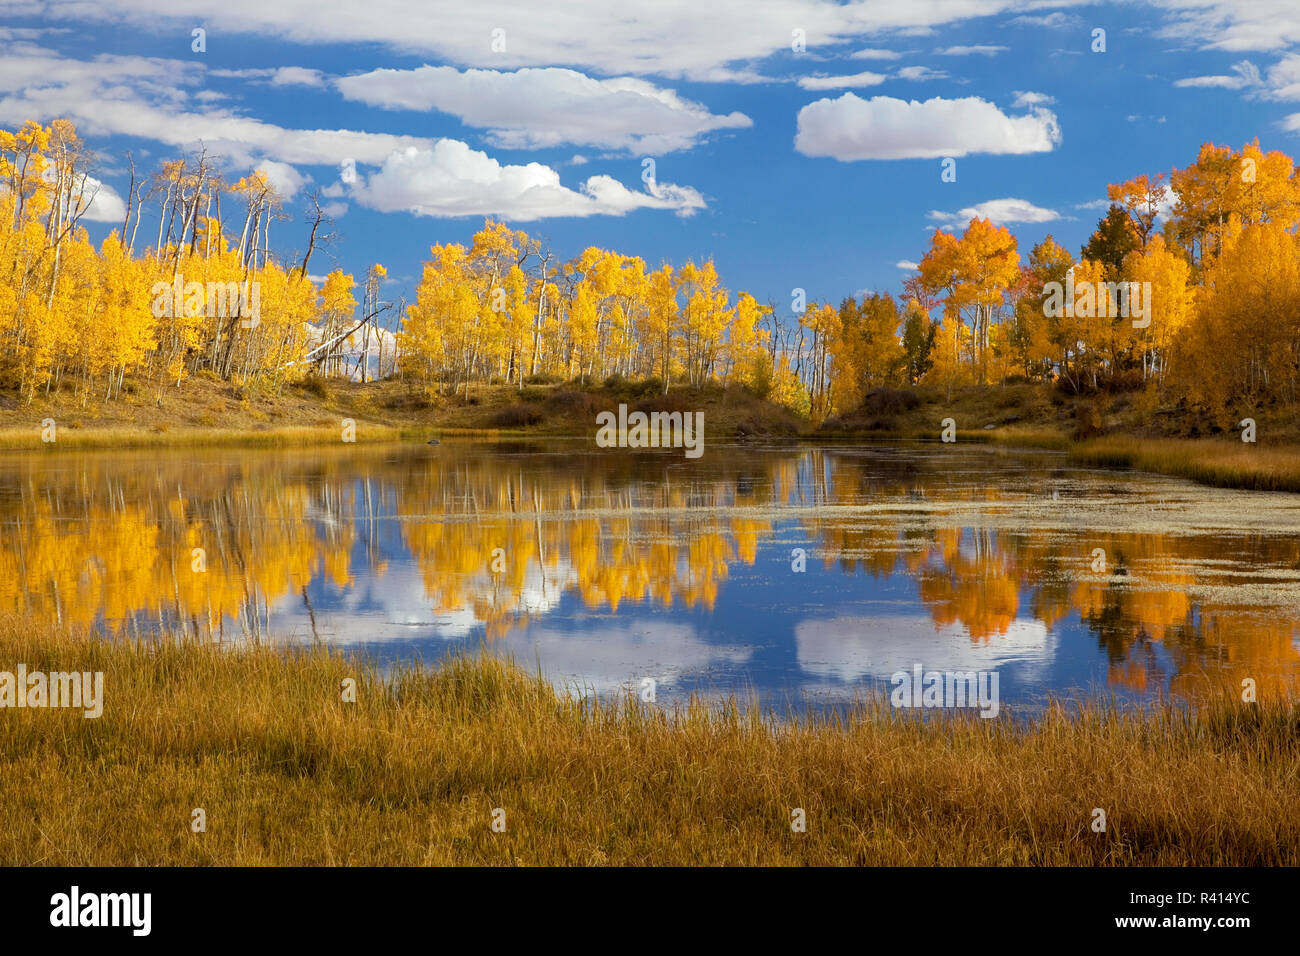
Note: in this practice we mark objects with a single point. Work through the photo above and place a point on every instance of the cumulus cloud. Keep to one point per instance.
(1284, 78)
(1002, 211)
(907, 264)
(638, 37)
(297, 76)
(1244, 74)
(874, 54)
(851, 128)
(107, 205)
(1026, 99)
(1231, 25)
(286, 180)
(1050, 21)
(275, 76)
(978, 50)
(149, 98)
(645, 37)
(620, 653)
(535, 108)
(921, 74)
(857, 80)
(100, 201)
(841, 82)
(853, 648)
(450, 179)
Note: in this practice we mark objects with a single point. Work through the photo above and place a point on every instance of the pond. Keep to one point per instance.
(787, 575)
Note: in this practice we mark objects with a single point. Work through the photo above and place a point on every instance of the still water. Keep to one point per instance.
(793, 574)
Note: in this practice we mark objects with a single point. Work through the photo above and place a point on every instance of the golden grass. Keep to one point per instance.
(1220, 462)
(410, 774)
(125, 436)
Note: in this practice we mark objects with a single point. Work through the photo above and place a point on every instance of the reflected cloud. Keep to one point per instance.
(854, 648)
(618, 655)
(991, 556)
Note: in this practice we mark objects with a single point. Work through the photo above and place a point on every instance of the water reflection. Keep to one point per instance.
(606, 567)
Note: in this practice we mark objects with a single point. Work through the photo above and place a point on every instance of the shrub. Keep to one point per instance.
(313, 384)
(543, 378)
(517, 416)
(674, 401)
(1087, 420)
(570, 404)
(889, 401)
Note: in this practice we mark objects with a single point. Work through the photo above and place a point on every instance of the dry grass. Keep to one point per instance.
(289, 774)
(204, 411)
(20, 439)
(1221, 462)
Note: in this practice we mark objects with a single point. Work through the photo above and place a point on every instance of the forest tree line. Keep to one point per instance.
(1215, 244)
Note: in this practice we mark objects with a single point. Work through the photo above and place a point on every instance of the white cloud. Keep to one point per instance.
(1093, 204)
(854, 648)
(851, 128)
(107, 206)
(1244, 74)
(1051, 21)
(646, 37)
(1284, 78)
(297, 76)
(149, 98)
(1002, 211)
(286, 180)
(920, 74)
(1232, 25)
(101, 202)
(841, 82)
(978, 50)
(275, 76)
(718, 41)
(1025, 99)
(907, 264)
(619, 653)
(874, 54)
(1226, 82)
(450, 180)
(537, 108)
(1280, 82)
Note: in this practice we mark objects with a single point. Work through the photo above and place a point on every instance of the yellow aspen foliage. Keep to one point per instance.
(1240, 348)
(1165, 273)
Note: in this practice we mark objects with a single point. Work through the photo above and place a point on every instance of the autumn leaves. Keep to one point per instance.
(1205, 309)
(1190, 289)
(501, 309)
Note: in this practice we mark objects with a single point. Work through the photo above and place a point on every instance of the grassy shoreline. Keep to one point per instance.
(287, 773)
(126, 437)
(212, 414)
(1212, 461)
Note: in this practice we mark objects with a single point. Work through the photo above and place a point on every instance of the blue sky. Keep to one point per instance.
(817, 169)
